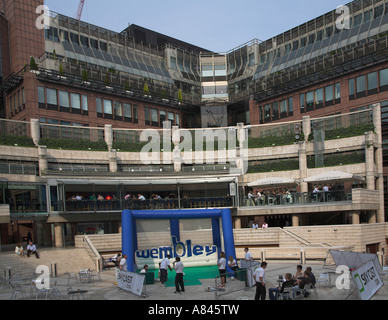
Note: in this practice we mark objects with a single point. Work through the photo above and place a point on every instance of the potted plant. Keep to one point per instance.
(107, 81)
(33, 66)
(146, 90)
(180, 97)
(85, 77)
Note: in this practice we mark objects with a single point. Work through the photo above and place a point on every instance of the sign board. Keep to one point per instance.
(367, 280)
(193, 255)
(130, 281)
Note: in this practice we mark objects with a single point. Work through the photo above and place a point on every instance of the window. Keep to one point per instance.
(41, 97)
(318, 97)
(64, 99)
(267, 112)
(127, 111)
(135, 113)
(302, 102)
(118, 110)
(147, 116)
(383, 79)
(361, 86)
(173, 63)
(74, 38)
(351, 89)
(171, 117)
(75, 102)
(99, 106)
(108, 108)
(154, 117)
(52, 98)
(372, 82)
(337, 92)
(275, 110)
(283, 108)
(162, 117)
(177, 120)
(207, 71)
(310, 100)
(85, 106)
(329, 97)
(290, 106)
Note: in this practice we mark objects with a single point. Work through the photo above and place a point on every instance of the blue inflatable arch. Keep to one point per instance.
(129, 233)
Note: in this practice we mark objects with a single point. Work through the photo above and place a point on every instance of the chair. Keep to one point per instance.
(70, 276)
(385, 271)
(84, 274)
(95, 275)
(309, 290)
(323, 278)
(287, 294)
(16, 289)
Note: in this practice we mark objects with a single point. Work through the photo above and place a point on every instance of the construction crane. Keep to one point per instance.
(80, 8)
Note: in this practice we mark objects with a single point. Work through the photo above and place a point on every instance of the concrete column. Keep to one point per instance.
(35, 132)
(237, 223)
(242, 149)
(372, 218)
(369, 161)
(306, 127)
(58, 235)
(355, 217)
(295, 220)
(43, 165)
(176, 152)
(302, 166)
(108, 135)
(379, 159)
(112, 160)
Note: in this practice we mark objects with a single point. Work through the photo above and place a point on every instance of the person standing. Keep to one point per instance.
(123, 263)
(178, 266)
(163, 265)
(259, 276)
(222, 268)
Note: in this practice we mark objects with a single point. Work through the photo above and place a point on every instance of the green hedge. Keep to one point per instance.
(128, 146)
(74, 144)
(20, 141)
(275, 166)
(333, 160)
(272, 141)
(351, 131)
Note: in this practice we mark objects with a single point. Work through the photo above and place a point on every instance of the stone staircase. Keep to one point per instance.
(66, 260)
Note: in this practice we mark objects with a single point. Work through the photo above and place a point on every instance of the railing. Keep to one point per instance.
(135, 204)
(242, 279)
(296, 198)
(88, 245)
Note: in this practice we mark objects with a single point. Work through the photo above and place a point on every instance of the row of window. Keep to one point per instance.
(116, 110)
(61, 100)
(319, 98)
(368, 84)
(276, 110)
(156, 117)
(327, 32)
(17, 101)
(54, 35)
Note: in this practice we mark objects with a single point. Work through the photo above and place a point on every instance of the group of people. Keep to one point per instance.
(31, 248)
(261, 198)
(297, 282)
(263, 226)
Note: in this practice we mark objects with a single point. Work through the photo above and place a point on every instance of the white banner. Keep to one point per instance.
(130, 281)
(367, 280)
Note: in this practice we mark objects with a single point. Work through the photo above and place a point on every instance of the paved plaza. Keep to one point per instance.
(107, 289)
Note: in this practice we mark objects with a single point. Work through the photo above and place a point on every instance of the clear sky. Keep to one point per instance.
(216, 25)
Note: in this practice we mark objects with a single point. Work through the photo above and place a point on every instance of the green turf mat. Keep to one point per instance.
(192, 275)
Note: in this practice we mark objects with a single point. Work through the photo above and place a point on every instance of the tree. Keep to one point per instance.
(146, 90)
(107, 80)
(126, 86)
(33, 65)
(180, 98)
(61, 72)
(85, 76)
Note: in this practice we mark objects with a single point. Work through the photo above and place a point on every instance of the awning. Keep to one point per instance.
(273, 181)
(334, 176)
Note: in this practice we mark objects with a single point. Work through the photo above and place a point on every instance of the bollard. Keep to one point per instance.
(54, 270)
